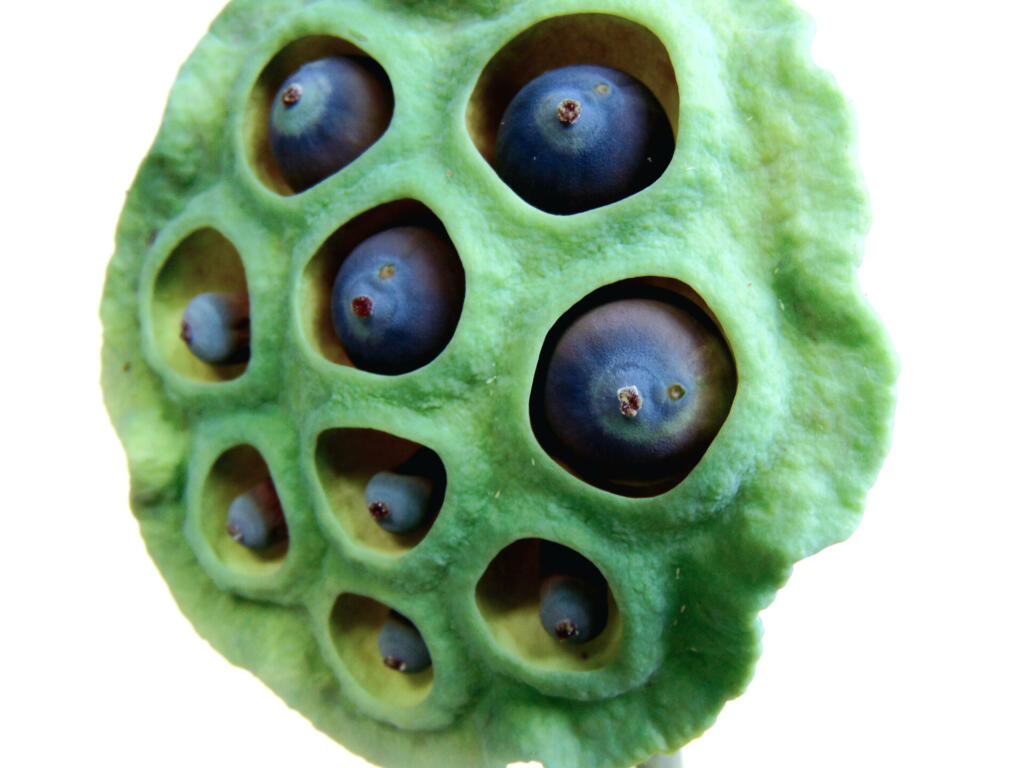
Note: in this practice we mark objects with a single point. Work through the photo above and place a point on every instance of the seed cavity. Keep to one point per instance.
(569, 111)
(362, 306)
(630, 401)
(602, 88)
(676, 392)
(380, 510)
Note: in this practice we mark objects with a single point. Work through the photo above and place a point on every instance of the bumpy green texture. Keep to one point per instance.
(761, 213)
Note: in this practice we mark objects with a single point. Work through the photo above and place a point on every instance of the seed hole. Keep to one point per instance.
(408, 478)
(356, 624)
(632, 385)
(318, 284)
(276, 73)
(597, 38)
(514, 591)
(205, 265)
(241, 515)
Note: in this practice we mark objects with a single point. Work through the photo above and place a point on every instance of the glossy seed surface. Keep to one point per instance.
(572, 608)
(325, 115)
(582, 136)
(255, 518)
(397, 299)
(215, 326)
(635, 391)
(398, 503)
(401, 646)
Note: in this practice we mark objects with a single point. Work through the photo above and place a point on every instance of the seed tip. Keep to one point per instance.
(362, 306)
(630, 401)
(565, 629)
(569, 111)
(291, 95)
(234, 532)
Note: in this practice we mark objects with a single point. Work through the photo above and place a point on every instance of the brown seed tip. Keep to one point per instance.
(362, 306)
(565, 629)
(386, 272)
(676, 392)
(396, 664)
(291, 95)
(234, 532)
(186, 332)
(569, 111)
(379, 510)
(630, 401)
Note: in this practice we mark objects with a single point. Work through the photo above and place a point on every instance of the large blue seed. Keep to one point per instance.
(580, 137)
(215, 326)
(573, 609)
(325, 115)
(255, 518)
(397, 299)
(399, 503)
(401, 646)
(635, 391)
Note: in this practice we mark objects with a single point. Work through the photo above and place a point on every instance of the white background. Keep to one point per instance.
(901, 647)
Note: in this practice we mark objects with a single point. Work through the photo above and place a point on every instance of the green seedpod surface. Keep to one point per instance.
(759, 218)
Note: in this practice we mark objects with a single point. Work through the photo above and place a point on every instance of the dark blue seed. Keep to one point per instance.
(573, 609)
(582, 136)
(216, 327)
(255, 519)
(325, 115)
(399, 503)
(635, 391)
(396, 299)
(401, 646)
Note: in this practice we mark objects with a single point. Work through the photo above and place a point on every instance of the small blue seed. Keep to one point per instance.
(398, 503)
(401, 646)
(215, 326)
(573, 609)
(255, 518)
